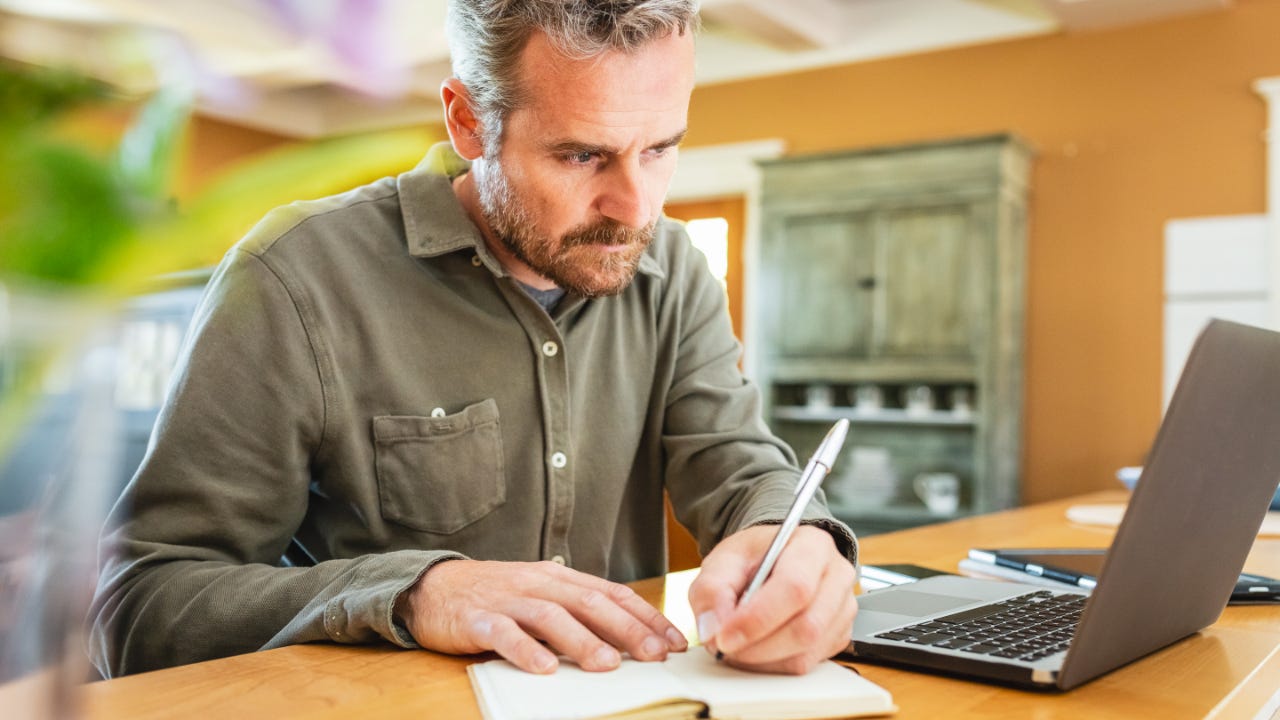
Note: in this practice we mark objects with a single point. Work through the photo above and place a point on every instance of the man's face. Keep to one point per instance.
(577, 185)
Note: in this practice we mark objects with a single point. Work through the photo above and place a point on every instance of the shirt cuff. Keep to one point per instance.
(400, 634)
(846, 541)
(365, 608)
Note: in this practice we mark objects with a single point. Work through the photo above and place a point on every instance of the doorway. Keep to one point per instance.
(716, 228)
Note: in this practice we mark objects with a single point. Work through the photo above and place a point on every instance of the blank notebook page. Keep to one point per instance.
(571, 692)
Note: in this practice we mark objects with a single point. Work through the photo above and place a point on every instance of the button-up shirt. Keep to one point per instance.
(364, 379)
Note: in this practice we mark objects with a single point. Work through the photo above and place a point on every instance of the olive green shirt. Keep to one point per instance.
(363, 378)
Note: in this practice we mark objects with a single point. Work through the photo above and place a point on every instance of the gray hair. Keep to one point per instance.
(486, 38)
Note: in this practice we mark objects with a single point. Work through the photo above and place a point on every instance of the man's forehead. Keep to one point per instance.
(614, 88)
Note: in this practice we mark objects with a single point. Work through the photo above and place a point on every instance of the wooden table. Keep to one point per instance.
(1230, 670)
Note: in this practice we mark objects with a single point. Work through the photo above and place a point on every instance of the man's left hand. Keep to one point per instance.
(800, 616)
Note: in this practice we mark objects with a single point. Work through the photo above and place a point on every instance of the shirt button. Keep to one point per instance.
(438, 412)
(475, 260)
(550, 348)
(559, 460)
(558, 559)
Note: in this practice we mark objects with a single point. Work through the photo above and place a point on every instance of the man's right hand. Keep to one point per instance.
(470, 606)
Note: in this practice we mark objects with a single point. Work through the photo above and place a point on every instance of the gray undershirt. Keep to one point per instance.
(548, 299)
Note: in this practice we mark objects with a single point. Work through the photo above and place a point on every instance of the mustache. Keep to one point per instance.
(608, 232)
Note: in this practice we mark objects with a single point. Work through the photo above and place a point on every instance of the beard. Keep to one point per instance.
(592, 260)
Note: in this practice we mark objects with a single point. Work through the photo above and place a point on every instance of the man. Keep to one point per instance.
(462, 392)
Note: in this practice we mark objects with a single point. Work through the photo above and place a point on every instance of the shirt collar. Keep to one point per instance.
(435, 222)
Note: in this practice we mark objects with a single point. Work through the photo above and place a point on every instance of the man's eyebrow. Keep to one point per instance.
(672, 141)
(572, 147)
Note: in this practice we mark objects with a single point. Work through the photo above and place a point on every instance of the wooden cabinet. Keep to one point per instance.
(891, 291)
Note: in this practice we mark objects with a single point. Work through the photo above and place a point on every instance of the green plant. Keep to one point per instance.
(88, 228)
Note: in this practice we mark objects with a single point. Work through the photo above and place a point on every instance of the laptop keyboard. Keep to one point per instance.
(1027, 627)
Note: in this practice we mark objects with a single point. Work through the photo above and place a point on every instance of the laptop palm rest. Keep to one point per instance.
(913, 604)
(937, 595)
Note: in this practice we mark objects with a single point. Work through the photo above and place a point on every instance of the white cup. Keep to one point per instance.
(940, 492)
(918, 399)
(868, 398)
(819, 397)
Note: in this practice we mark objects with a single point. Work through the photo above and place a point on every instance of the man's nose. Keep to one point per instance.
(625, 199)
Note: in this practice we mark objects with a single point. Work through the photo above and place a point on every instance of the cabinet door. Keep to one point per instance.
(820, 308)
(928, 268)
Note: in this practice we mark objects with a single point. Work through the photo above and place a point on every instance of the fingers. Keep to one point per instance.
(515, 633)
(779, 602)
(709, 622)
(710, 602)
(649, 618)
(588, 625)
(801, 615)
(562, 631)
(502, 635)
(617, 614)
(812, 634)
(790, 589)
(713, 595)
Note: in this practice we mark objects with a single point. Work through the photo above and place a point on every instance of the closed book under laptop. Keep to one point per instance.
(1175, 559)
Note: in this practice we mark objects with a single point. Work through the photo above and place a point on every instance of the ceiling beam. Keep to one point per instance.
(791, 25)
(1077, 15)
(324, 111)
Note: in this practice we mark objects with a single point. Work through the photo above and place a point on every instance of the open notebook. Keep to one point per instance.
(685, 685)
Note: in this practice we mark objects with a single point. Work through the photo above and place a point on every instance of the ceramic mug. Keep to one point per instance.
(819, 397)
(940, 492)
(918, 399)
(868, 398)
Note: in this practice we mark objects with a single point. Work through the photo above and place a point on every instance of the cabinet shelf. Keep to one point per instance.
(881, 417)
(872, 370)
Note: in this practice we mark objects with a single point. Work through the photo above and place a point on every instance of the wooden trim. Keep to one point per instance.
(732, 209)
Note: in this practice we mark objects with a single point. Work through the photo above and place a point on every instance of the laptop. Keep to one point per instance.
(1173, 563)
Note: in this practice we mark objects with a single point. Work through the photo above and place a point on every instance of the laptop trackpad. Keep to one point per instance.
(908, 602)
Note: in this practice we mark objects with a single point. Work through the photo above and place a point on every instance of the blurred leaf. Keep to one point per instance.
(238, 198)
(148, 155)
(31, 95)
(90, 228)
(61, 210)
(116, 256)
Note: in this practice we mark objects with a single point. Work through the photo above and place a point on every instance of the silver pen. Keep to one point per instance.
(819, 465)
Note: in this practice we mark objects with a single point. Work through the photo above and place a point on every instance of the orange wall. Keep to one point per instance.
(1133, 127)
(213, 145)
(209, 145)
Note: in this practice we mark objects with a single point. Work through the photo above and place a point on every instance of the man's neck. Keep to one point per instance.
(464, 187)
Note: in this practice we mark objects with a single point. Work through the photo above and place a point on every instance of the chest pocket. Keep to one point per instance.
(440, 474)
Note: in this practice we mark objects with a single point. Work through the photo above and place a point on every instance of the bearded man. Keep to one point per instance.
(456, 397)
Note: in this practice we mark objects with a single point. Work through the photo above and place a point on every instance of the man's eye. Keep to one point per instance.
(580, 158)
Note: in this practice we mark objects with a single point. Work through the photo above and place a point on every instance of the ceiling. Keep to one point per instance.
(313, 68)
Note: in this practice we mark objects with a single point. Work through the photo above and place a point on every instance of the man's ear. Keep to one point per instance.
(461, 120)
